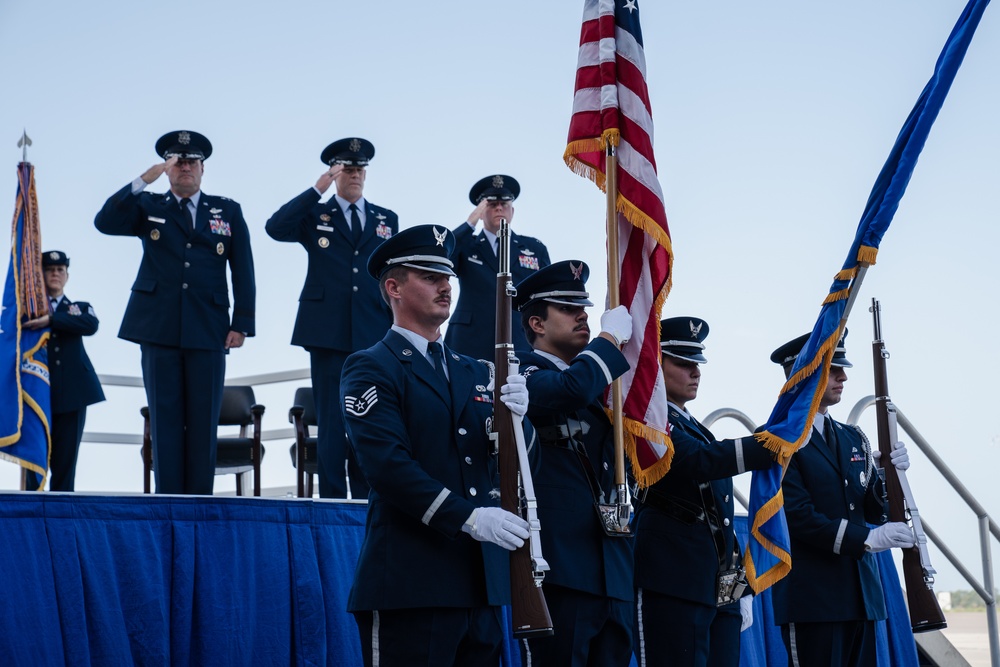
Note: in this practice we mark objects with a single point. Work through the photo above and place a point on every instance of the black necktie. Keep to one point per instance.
(829, 435)
(53, 304)
(187, 211)
(437, 360)
(355, 224)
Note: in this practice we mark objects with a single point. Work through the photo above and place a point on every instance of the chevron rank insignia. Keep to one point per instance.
(360, 406)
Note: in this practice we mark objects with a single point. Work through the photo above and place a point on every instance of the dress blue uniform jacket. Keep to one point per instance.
(472, 327)
(180, 297)
(425, 450)
(828, 499)
(680, 559)
(71, 375)
(574, 544)
(340, 306)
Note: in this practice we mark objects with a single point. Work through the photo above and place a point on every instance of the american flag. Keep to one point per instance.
(611, 107)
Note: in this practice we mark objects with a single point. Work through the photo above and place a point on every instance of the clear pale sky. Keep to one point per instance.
(772, 121)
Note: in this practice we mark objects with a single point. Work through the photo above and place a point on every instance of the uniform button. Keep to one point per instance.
(355, 269)
(188, 245)
(725, 499)
(187, 265)
(355, 253)
(845, 482)
(851, 506)
(59, 362)
(184, 286)
(725, 522)
(56, 349)
(355, 288)
(472, 491)
(468, 459)
(462, 431)
(605, 465)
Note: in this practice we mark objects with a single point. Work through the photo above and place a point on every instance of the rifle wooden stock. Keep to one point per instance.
(925, 612)
(530, 613)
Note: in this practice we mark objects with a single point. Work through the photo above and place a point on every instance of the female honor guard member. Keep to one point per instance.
(179, 309)
(340, 308)
(589, 586)
(691, 596)
(828, 603)
(472, 326)
(433, 571)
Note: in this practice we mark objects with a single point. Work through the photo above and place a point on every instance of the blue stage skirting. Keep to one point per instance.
(160, 580)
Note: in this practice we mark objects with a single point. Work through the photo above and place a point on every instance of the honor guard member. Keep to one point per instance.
(340, 308)
(179, 309)
(472, 326)
(433, 570)
(828, 603)
(589, 586)
(692, 601)
(73, 381)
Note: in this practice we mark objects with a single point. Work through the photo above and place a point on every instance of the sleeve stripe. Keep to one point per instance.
(600, 362)
(741, 464)
(837, 543)
(429, 514)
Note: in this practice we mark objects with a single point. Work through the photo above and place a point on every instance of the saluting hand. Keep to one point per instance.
(234, 339)
(328, 177)
(477, 213)
(157, 170)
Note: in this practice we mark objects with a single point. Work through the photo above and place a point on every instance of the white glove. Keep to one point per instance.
(899, 457)
(618, 323)
(888, 536)
(492, 524)
(746, 611)
(514, 394)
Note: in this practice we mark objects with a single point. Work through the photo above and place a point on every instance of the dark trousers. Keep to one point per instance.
(67, 431)
(332, 446)
(676, 632)
(590, 630)
(843, 644)
(438, 637)
(184, 391)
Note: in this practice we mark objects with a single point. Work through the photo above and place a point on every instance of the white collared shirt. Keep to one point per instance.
(345, 206)
(421, 343)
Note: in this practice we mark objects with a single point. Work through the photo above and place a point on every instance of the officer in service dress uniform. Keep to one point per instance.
(433, 570)
(179, 309)
(589, 586)
(685, 542)
(72, 379)
(340, 308)
(472, 327)
(828, 603)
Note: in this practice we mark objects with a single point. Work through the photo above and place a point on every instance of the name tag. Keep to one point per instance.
(325, 228)
(153, 219)
(476, 261)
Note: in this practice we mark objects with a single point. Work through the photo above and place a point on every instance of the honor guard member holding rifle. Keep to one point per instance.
(340, 308)
(828, 603)
(179, 309)
(589, 586)
(433, 571)
(692, 600)
(473, 324)
(74, 383)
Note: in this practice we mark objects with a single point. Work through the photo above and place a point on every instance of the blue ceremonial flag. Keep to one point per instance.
(768, 558)
(25, 412)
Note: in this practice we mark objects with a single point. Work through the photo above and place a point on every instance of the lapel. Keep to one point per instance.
(202, 214)
(172, 211)
(373, 219)
(485, 253)
(461, 380)
(418, 365)
(338, 220)
(817, 442)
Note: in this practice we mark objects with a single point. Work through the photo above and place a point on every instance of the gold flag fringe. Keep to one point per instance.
(867, 254)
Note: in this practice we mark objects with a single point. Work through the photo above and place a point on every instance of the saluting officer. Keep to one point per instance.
(472, 326)
(340, 308)
(828, 603)
(73, 382)
(691, 596)
(179, 308)
(589, 586)
(433, 570)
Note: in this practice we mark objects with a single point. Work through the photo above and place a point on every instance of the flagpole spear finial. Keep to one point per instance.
(23, 144)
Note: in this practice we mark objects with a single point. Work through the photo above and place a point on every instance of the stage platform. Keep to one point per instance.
(172, 580)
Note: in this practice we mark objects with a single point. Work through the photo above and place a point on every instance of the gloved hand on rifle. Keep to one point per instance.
(746, 612)
(514, 394)
(888, 536)
(496, 525)
(899, 457)
(617, 323)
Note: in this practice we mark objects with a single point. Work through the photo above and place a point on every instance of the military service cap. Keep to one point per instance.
(425, 247)
(350, 152)
(185, 145)
(55, 258)
(495, 187)
(684, 338)
(562, 282)
(786, 354)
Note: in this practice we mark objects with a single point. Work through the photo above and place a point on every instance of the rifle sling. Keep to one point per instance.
(565, 436)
